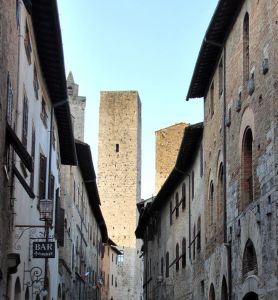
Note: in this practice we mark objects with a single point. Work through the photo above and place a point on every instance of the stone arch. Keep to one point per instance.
(249, 261)
(224, 289)
(17, 289)
(251, 296)
(211, 292)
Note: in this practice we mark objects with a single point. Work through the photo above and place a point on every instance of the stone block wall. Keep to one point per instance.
(168, 141)
(119, 178)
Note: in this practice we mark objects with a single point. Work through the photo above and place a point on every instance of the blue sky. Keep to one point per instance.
(146, 45)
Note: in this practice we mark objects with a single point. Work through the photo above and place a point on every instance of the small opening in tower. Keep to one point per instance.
(117, 147)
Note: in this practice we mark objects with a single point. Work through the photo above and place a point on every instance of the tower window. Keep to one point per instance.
(117, 147)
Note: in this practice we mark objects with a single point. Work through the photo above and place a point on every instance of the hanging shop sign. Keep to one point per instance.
(43, 249)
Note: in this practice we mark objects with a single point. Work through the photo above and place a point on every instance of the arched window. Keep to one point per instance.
(247, 168)
(183, 252)
(249, 262)
(224, 289)
(177, 204)
(183, 195)
(27, 295)
(162, 267)
(198, 238)
(177, 257)
(17, 289)
(211, 203)
(246, 48)
(211, 292)
(220, 193)
(167, 264)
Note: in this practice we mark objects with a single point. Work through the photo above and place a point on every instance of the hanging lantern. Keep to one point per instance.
(46, 209)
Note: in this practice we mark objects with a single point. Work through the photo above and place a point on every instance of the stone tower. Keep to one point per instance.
(119, 177)
(77, 108)
(168, 141)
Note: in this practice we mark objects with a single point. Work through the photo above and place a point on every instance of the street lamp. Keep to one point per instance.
(46, 210)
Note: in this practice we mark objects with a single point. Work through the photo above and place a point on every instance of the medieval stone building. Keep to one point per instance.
(236, 75)
(119, 180)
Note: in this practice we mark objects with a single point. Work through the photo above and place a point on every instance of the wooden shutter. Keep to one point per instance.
(51, 187)
(25, 122)
(60, 226)
(42, 176)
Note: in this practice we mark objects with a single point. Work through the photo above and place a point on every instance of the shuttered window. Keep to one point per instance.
(42, 179)
(25, 122)
(33, 152)
(51, 187)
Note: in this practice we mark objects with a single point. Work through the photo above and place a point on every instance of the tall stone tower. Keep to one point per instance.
(168, 141)
(119, 178)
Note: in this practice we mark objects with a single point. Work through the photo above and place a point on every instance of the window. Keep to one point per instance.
(70, 90)
(27, 44)
(183, 196)
(246, 49)
(36, 83)
(9, 112)
(171, 210)
(177, 257)
(201, 161)
(220, 193)
(33, 152)
(249, 263)
(247, 169)
(211, 203)
(167, 264)
(199, 235)
(162, 267)
(51, 187)
(177, 204)
(42, 179)
(192, 185)
(17, 13)
(212, 99)
(25, 122)
(44, 115)
(117, 147)
(194, 239)
(183, 261)
(112, 279)
(221, 77)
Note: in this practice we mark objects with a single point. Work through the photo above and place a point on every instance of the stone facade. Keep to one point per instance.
(167, 145)
(119, 177)
(236, 73)
(8, 90)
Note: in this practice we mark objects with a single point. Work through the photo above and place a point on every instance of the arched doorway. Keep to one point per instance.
(249, 263)
(224, 289)
(17, 289)
(251, 296)
(211, 292)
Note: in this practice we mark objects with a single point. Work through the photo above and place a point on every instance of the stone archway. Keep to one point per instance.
(251, 296)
